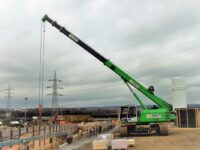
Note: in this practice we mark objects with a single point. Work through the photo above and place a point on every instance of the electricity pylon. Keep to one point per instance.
(8, 97)
(55, 93)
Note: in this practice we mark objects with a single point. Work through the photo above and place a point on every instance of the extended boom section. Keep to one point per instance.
(75, 39)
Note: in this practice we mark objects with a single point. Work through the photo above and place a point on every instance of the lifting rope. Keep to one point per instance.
(41, 65)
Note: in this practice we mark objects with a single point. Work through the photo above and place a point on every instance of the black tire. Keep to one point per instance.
(163, 130)
(69, 140)
(123, 132)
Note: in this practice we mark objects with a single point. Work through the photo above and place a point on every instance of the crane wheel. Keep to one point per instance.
(163, 129)
(123, 131)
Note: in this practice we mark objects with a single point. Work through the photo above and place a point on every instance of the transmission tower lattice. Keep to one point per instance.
(8, 97)
(55, 93)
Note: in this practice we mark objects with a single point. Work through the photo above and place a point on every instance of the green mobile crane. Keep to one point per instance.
(131, 120)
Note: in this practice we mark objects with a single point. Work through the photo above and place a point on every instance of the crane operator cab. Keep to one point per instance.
(128, 114)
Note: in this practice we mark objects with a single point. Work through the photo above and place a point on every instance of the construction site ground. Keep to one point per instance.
(178, 139)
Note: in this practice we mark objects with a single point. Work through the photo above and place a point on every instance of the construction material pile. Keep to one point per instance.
(86, 130)
(106, 141)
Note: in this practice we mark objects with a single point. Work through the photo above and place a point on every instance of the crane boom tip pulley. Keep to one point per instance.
(45, 18)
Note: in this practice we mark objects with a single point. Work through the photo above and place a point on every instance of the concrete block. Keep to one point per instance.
(100, 145)
(108, 137)
(131, 142)
(105, 136)
(119, 144)
(75, 137)
(85, 134)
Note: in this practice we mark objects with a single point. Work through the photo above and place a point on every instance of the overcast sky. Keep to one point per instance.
(154, 41)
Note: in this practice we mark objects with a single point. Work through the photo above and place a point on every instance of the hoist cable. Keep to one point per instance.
(43, 47)
(41, 37)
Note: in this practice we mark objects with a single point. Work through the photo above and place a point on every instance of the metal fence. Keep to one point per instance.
(188, 117)
(28, 135)
(49, 136)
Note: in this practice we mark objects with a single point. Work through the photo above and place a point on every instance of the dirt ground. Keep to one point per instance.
(178, 139)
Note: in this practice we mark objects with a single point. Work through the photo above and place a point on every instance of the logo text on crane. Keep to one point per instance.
(73, 37)
(134, 84)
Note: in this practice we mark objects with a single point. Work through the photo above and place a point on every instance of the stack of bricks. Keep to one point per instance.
(100, 145)
(108, 137)
(119, 144)
(131, 142)
(105, 141)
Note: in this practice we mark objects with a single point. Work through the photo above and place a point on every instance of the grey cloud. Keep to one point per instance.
(153, 41)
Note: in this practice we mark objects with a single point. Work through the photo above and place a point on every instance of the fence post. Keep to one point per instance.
(56, 131)
(44, 133)
(26, 129)
(1, 138)
(19, 131)
(49, 129)
(39, 132)
(69, 129)
(50, 133)
(11, 134)
(19, 135)
(33, 130)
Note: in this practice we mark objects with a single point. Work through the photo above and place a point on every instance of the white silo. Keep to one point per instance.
(179, 98)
